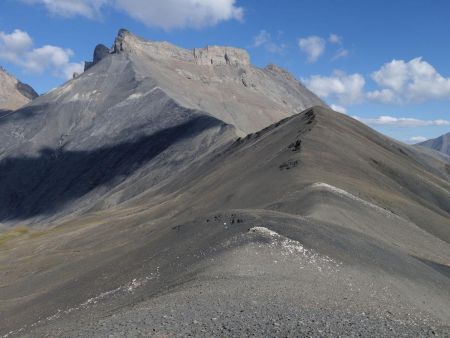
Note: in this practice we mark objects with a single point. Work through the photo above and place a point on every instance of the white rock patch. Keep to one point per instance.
(135, 96)
(121, 290)
(292, 248)
(343, 193)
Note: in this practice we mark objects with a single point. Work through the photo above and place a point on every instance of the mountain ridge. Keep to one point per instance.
(128, 95)
(13, 93)
(440, 143)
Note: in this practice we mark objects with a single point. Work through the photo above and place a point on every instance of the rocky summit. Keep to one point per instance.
(174, 192)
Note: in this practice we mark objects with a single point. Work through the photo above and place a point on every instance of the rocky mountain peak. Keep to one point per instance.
(127, 42)
(123, 36)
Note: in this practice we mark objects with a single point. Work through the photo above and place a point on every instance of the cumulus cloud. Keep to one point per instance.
(335, 39)
(17, 47)
(417, 139)
(264, 40)
(346, 88)
(402, 121)
(409, 81)
(397, 81)
(70, 8)
(14, 43)
(383, 95)
(312, 46)
(341, 53)
(166, 14)
(339, 109)
(181, 13)
(72, 68)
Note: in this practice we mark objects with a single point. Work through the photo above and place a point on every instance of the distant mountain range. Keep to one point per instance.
(174, 192)
(441, 143)
(13, 93)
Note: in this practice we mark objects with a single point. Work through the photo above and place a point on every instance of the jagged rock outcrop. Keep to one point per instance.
(211, 55)
(13, 93)
(217, 55)
(100, 52)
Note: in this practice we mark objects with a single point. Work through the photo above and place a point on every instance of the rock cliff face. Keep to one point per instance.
(211, 55)
(13, 93)
(216, 55)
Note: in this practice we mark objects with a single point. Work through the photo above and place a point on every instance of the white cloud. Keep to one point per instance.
(398, 82)
(417, 139)
(407, 82)
(14, 43)
(402, 121)
(70, 8)
(39, 59)
(339, 109)
(383, 95)
(335, 39)
(264, 39)
(312, 46)
(346, 88)
(73, 68)
(170, 14)
(166, 14)
(17, 47)
(341, 53)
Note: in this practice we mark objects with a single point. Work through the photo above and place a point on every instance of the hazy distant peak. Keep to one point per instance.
(441, 143)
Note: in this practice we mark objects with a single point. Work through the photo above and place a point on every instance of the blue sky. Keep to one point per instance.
(385, 62)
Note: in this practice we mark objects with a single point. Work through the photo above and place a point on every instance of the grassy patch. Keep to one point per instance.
(13, 233)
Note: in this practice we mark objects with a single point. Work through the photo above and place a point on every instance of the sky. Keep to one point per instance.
(386, 63)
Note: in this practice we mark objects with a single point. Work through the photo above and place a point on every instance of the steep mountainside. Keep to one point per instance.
(124, 119)
(159, 209)
(13, 93)
(441, 143)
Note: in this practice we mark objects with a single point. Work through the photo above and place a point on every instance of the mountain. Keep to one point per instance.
(165, 211)
(13, 93)
(114, 131)
(441, 143)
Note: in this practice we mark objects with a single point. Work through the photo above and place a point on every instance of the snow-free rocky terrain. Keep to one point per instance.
(168, 192)
(441, 143)
(13, 93)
